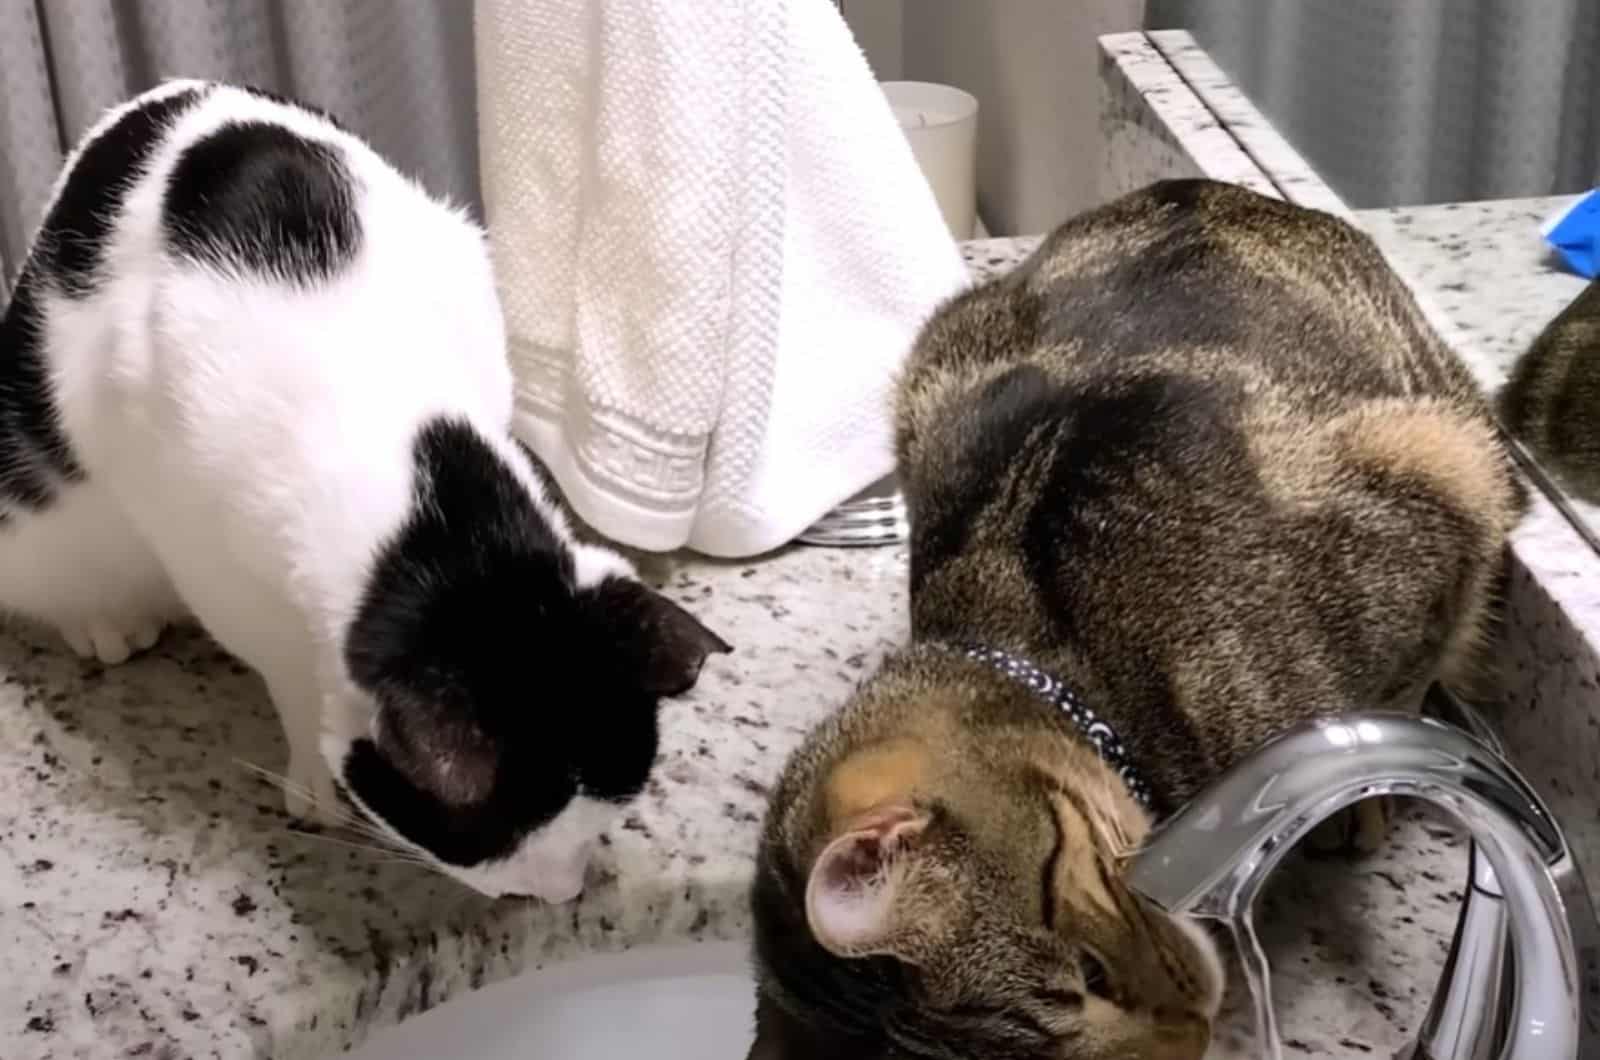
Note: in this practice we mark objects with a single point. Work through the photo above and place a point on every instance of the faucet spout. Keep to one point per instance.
(1212, 857)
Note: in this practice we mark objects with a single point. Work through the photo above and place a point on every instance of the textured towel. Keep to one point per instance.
(714, 249)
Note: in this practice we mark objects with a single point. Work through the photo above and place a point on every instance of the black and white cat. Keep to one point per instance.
(252, 374)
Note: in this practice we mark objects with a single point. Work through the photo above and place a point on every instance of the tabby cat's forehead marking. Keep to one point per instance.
(874, 776)
(1077, 868)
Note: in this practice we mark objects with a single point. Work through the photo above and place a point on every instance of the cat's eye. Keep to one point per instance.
(1093, 970)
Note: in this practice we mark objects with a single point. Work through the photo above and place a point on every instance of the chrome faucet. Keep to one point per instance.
(1537, 999)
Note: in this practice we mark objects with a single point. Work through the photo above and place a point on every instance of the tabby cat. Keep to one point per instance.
(1552, 401)
(1196, 471)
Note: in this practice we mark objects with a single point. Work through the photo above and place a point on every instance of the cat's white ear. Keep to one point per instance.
(854, 897)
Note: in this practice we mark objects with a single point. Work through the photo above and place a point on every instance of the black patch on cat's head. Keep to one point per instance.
(503, 688)
(255, 197)
(71, 244)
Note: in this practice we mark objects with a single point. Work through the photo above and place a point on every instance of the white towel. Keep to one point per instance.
(714, 249)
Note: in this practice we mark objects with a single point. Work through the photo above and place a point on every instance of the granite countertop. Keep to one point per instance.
(1486, 266)
(155, 903)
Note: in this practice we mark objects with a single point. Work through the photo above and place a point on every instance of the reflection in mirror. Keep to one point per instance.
(1552, 400)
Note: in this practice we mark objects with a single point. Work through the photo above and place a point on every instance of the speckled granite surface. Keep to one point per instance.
(1485, 267)
(155, 903)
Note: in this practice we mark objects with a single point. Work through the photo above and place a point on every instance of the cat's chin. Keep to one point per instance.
(555, 881)
(559, 886)
(551, 862)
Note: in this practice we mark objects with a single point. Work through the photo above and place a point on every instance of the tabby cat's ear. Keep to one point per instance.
(855, 897)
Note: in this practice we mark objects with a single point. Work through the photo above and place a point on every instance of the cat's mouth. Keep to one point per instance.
(527, 879)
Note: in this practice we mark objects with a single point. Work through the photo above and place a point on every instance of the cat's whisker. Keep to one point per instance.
(367, 832)
(386, 852)
(363, 828)
(343, 817)
(277, 780)
(340, 814)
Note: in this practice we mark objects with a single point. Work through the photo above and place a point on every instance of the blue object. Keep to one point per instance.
(1576, 235)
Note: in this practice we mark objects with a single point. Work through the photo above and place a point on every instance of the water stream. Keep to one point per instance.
(1258, 977)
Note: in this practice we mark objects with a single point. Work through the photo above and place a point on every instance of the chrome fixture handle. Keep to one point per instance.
(875, 516)
(1212, 857)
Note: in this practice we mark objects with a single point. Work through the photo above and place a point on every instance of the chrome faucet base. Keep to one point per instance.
(1469, 1015)
(875, 516)
(1535, 999)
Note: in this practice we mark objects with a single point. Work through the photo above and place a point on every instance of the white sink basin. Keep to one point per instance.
(686, 1002)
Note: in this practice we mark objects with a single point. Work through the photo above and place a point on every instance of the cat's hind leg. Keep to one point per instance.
(1435, 496)
(1355, 832)
(78, 565)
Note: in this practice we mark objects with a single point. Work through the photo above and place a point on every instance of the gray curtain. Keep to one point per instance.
(1398, 102)
(398, 72)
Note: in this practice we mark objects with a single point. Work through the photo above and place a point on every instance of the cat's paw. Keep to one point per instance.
(113, 641)
(310, 795)
(1355, 832)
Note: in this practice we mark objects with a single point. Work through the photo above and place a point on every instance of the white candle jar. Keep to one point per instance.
(941, 124)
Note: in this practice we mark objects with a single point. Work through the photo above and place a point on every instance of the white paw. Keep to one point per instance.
(309, 795)
(113, 641)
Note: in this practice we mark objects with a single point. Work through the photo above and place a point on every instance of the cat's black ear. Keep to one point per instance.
(439, 752)
(662, 645)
